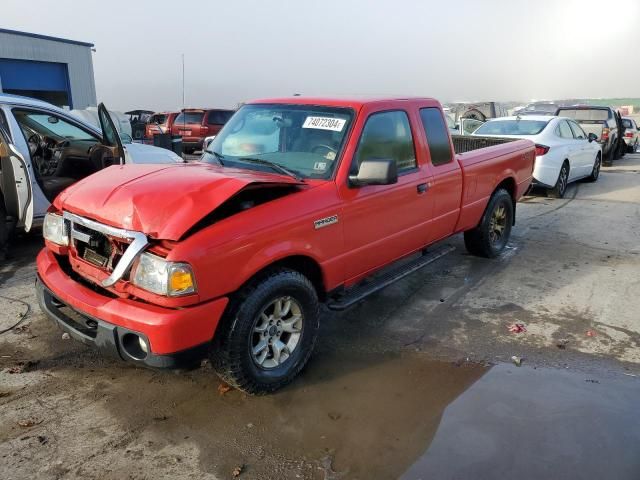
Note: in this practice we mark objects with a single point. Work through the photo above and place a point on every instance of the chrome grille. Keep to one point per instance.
(85, 233)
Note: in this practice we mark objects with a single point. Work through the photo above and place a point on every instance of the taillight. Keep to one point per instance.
(605, 134)
(628, 134)
(541, 150)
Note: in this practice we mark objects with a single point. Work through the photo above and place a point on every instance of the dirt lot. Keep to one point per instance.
(391, 377)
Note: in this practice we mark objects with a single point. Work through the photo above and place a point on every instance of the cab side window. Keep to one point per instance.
(437, 136)
(387, 135)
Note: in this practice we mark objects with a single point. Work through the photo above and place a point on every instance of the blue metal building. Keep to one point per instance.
(56, 70)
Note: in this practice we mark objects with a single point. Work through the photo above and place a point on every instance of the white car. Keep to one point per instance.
(631, 134)
(44, 149)
(564, 152)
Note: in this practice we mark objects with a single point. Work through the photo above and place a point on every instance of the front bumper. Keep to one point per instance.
(175, 337)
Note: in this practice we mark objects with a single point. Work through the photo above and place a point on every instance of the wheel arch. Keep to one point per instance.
(304, 264)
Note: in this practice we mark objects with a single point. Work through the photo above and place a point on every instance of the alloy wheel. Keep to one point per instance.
(498, 224)
(276, 332)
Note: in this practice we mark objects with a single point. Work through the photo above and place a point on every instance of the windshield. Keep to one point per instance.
(305, 139)
(626, 123)
(512, 127)
(189, 117)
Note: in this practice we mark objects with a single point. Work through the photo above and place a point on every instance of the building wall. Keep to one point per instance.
(77, 57)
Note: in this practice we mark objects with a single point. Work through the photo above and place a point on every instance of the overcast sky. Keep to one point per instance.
(236, 50)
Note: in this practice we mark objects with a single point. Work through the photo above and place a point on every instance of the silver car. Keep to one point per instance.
(631, 134)
(44, 149)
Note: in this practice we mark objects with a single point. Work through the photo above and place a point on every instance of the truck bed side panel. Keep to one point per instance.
(484, 169)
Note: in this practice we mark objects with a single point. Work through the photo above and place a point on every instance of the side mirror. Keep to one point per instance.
(375, 172)
(592, 137)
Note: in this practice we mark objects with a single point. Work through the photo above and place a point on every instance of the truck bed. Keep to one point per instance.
(484, 160)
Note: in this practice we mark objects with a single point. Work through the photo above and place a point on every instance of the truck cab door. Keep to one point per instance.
(16, 182)
(110, 136)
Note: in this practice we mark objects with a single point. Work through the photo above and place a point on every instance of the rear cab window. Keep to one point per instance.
(387, 135)
(437, 136)
(587, 115)
(189, 117)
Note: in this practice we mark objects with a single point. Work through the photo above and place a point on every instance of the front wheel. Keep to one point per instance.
(491, 235)
(268, 334)
(560, 187)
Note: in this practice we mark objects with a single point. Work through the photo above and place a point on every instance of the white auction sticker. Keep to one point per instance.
(325, 123)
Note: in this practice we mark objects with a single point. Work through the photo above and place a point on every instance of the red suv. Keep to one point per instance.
(160, 122)
(194, 125)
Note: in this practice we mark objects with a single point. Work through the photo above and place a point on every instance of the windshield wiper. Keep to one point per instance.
(215, 154)
(275, 166)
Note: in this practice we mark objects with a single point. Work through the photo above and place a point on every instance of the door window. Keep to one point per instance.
(564, 131)
(577, 131)
(387, 135)
(437, 136)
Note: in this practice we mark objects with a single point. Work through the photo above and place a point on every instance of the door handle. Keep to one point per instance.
(422, 188)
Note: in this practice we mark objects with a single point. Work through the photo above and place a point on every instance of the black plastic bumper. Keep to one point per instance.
(108, 338)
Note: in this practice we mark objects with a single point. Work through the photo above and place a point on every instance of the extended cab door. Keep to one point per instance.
(446, 174)
(384, 222)
(16, 184)
(110, 136)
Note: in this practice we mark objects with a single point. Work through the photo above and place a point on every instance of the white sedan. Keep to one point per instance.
(564, 152)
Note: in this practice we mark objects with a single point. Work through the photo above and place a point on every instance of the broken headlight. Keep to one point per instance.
(54, 229)
(162, 277)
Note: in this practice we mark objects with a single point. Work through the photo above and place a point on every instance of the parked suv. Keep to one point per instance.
(160, 122)
(602, 121)
(631, 134)
(196, 124)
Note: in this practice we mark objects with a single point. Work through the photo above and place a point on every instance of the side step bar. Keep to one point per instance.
(362, 291)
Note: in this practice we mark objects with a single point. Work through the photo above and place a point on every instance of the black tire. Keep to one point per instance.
(608, 158)
(231, 353)
(560, 187)
(595, 172)
(480, 241)
(632, 148)
(615, 147)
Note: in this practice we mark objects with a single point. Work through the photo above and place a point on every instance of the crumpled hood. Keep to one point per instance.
(163, 201)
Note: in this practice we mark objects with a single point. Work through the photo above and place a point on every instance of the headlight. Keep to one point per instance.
(54, 229)
(159, 276)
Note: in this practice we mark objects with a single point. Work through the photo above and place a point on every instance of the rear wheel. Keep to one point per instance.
(490, 237)
(560, 188)
(268, 334)
(595, 172)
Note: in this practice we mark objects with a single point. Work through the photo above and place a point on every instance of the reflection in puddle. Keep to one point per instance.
(367, 417)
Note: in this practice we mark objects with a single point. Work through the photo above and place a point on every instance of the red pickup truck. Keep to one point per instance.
(297, 202)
